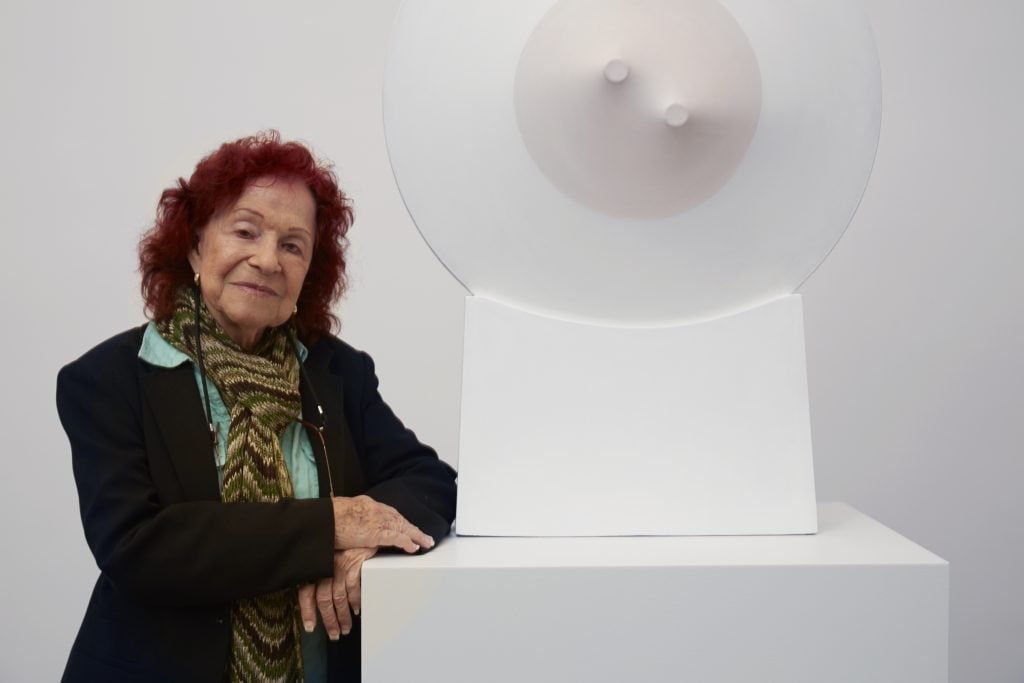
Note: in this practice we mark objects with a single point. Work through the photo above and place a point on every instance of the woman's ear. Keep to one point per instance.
(194, 259)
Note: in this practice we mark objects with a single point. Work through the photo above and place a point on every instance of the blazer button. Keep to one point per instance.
(218, 620)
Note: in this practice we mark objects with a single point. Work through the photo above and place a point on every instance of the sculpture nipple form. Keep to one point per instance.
(676, 115)
(616, 71)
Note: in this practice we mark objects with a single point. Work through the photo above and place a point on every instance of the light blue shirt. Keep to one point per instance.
(298, 457)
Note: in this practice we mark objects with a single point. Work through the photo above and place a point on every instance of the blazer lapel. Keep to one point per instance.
(174, 399)
(329, 387)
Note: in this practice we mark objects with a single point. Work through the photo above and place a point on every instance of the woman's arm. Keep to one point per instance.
(193, 552)
(185, 553)
(400, 471)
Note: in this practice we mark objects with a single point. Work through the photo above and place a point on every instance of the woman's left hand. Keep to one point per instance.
(337, 597)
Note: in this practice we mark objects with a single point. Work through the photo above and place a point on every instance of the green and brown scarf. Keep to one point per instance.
(261, 392)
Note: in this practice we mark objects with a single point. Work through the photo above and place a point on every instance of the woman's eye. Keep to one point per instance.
(293, 248)
(244, 232)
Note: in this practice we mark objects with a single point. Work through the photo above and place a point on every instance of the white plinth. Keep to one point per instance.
(855, 603)
(693, 429)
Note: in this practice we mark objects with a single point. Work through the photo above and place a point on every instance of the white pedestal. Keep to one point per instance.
(695, 429)
(855, 603)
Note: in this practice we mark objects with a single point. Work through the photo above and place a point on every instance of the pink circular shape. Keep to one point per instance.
(606, 144)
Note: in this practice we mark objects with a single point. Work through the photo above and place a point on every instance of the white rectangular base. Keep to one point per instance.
(855, 603)
(570, 429)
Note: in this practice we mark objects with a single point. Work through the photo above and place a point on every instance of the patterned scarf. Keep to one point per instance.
(261, 392)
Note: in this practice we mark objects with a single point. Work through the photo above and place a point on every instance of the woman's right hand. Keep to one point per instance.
(362, 522)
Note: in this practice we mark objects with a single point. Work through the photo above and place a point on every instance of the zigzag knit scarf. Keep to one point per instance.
(261, 392)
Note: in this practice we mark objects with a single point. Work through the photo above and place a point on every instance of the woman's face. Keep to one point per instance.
(253, 257)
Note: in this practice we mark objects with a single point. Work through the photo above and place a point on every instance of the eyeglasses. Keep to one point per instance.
(319, 431)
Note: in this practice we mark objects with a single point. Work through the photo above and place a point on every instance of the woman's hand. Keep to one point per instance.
(361, 525)
(362, 522)
(337, 597)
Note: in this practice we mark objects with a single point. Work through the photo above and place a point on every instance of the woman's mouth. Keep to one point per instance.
(256, 289)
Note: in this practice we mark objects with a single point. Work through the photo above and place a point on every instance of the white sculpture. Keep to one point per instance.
(632, 190)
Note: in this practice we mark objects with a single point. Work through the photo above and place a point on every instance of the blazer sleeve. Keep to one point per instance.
(400, 471)
(183, 553)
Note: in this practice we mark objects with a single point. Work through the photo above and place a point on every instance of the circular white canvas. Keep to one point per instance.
(508, 233)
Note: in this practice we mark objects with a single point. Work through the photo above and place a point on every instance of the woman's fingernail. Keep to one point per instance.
(309, 626)
(356, 611)
(431, 543)
(333, 635)
(345, 631)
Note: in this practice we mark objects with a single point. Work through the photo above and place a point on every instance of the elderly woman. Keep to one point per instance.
(235, 462)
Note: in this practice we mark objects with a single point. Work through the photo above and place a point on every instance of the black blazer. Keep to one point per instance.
(172, 556)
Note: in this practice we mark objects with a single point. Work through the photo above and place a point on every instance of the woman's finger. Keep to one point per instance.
(400, 540)
(340, 594)
(307, 606)
(401, 533)
(410, 530)
(410, 539)
(352, 586)
(325, 603)
(353, 578)
(418, 537)
(404, 534)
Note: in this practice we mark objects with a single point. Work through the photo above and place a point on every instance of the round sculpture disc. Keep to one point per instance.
(632, 162)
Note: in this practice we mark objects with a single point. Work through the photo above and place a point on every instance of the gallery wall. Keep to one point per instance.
(914, 322)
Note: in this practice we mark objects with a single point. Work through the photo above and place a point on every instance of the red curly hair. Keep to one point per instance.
(219, 179)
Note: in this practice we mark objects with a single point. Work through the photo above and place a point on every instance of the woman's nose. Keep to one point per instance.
(264, 256)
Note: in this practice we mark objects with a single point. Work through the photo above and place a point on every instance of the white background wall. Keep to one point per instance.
(914, 323)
